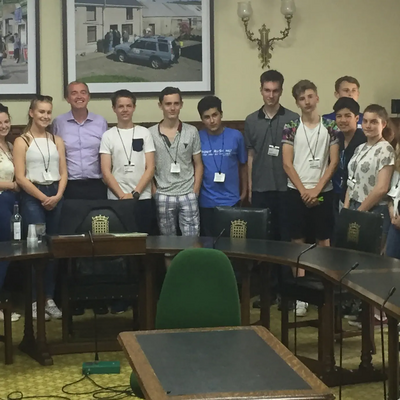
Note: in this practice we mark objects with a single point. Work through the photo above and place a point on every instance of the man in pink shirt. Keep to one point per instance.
(81, 132)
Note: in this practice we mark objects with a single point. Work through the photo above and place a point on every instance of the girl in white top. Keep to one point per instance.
(371, 167)
(8, 189)
(41, 171)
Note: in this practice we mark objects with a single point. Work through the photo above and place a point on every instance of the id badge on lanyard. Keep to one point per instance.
(175, 168)
(219, 177)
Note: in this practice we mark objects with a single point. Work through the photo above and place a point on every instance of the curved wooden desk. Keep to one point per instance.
(371, 282)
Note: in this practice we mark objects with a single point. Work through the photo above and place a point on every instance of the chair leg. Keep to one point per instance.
(8, 344)
(320, 334)
(285, 321)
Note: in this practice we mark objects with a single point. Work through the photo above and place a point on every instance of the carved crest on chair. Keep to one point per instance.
(353, 233)
(238, 229)
(100, 225)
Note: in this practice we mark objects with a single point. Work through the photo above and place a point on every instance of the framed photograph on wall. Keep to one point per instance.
(140, 45)
(19, 49)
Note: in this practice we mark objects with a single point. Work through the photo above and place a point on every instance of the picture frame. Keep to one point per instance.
(139, 45)
(19, 43)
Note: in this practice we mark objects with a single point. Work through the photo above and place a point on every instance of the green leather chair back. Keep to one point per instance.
(242, 223)
(199, 291)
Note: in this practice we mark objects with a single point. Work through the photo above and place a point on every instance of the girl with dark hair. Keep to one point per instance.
(8, 192)
(371, 167)
(41, 171)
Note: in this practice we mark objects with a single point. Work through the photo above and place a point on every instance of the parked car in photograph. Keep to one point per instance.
(158, 51)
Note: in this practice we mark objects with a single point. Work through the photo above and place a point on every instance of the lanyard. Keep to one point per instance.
(179, 133)
(212, 151)
(9, 150)
(357, 161)
(48, 151)
(273, 138)
(308, 142)
(123, 145)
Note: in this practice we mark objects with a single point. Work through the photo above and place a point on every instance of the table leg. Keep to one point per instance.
(245, 272)
(37, 349)
(327, 350)
(149, 306)
(366, 337)
(265, 298)
(393, 362)
(43, 352)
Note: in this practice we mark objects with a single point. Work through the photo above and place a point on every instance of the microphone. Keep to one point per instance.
(390, 294)
(295, 284)
(217, 238)
(353, 267)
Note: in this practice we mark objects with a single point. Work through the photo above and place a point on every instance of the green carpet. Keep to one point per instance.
(31, 379)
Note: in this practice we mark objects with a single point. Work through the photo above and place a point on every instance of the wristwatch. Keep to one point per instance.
(135, 195)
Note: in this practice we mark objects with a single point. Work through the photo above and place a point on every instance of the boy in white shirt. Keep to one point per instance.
(310, 157)
(127, 159)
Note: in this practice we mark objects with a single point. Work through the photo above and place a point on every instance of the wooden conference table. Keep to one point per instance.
(371, 282)
(218, 363)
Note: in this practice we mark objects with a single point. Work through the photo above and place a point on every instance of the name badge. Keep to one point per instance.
(273, 151)
(47, 176)
(351, 183)
(128, 168)
(175, 168)
(219, 177)
(315, 163)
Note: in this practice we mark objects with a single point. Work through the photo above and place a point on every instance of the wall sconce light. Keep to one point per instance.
(264, 43)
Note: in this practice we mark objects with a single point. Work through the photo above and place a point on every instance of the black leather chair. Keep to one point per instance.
(356, 230)
(243, 223)
(102, 278)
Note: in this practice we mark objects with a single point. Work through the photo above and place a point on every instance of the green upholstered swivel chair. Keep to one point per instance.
(199, 291)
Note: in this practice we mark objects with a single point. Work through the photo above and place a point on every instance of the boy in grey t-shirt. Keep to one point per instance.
(179, 169)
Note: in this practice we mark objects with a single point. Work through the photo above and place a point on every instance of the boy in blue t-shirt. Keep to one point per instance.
(225, 164)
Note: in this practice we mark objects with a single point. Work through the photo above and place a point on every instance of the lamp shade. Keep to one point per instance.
(288, 7)
(244, 9)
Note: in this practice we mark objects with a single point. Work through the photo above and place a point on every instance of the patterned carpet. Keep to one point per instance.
(31, 379)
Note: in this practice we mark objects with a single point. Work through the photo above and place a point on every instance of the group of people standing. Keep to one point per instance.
(302, 167)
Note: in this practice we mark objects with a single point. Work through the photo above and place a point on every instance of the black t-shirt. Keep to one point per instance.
(345, 155)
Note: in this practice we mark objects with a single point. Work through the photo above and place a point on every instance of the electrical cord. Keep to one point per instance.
(117, 392)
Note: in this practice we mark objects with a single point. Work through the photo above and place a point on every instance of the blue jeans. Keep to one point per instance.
(33, 212)
(7, 200)
(393, 242)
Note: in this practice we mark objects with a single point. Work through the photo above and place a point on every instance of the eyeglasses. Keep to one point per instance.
(40, 97)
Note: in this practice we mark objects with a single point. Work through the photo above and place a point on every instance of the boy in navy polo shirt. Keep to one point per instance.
(225, 164)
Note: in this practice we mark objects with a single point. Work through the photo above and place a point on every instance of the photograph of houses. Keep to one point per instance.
(147, 43)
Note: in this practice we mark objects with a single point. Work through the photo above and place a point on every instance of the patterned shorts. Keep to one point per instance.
(172, 210)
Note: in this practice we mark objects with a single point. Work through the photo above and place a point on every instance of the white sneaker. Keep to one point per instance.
(52, 310)
(301, 308)
(34, 312)
(14, 316)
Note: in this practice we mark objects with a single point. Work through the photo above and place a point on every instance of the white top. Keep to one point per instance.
(128, 145)
(394, 192)
(311, 144)
(42, 164)
(365, 165)
(6, 165)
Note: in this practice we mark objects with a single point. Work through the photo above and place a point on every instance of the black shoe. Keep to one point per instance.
(118, 307)
(78, 310)
(257, 304)
(100, 309)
